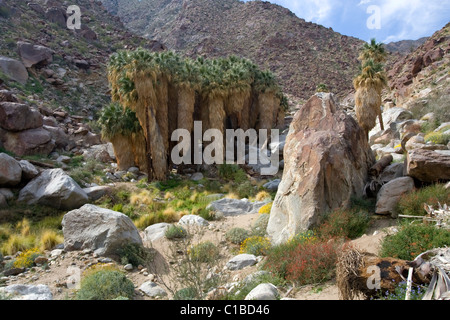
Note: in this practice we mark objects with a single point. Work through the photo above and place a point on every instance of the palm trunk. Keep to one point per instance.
(139, 151)
(123, 151)
(186, 108)
(266, 102)
(162, 110)
(217, 114)
(173, 114)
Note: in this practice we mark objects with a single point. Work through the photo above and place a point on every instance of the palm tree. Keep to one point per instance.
(374, 51)
(214, 91)
(267, 103)
(238, 79)
(120, 126)
(369, 85)
(133, 76)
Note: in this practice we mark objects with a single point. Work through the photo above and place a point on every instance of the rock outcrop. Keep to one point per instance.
(14, 69)
(101, 230)
(10, 170)
(54, 188)
(327, 158)
(428, 165)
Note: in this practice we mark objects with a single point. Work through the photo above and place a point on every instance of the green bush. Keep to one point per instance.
(186, 294)
(232, 172)
(175, 232)
(345, 223)
(414, 239)
(437, 138)
(260, 226)
(413, 203)
(135, 254)
(105, 285)
(246, 190)
(255, 245)
(204, 252)
(237, 235)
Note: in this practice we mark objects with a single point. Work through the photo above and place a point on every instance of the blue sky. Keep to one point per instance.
(385, 20)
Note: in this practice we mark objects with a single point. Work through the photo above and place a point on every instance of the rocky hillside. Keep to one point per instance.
(419, 80)
(302, 54)
(405, 46)
(55, 67)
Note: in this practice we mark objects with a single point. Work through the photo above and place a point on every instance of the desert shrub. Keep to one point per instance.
(263, 195)
(48, 239)
(260, 226)
(145, 220)
(26, 259)
(255, 245)
(206, 214)
(345, 223)
(310, 262)
(437, 138)
(237, 235)
(245, 190)
(135, 254)
(175, 232)
(278, 256)
(414, 239)
(186, 294)
(266, 208)
(204, 252)
(17, 242)
(105, 285)
(227, 171)
(413, 203)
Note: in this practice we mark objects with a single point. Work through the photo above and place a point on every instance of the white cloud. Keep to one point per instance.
(318, 11)
(412, 19)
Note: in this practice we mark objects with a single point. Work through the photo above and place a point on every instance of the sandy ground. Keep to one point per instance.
(71, 265)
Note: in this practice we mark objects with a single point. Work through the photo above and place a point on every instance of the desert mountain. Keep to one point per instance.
(65, 68)
(301, 54)
(419, 80)
(405, 46)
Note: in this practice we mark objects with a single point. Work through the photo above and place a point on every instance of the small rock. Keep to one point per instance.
(151, 289)
(128, 267)
(264, 291)
(191, 219)
(197, 176)
(241, 261)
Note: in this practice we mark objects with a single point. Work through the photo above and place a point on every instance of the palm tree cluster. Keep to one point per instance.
(167, 92)
(369, 84)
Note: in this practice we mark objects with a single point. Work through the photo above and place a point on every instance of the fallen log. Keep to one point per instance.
(365, 275)
(380, 165)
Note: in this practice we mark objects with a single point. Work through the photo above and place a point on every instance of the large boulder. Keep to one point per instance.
(57, 15)
(27, 292)
(327, 158)
(101, 230)
(54, 188)
(10, 170)
(28, 142)
(33, 55)
(234, 207)
(264, 291)
(390, 194)
(19, 117)
(14, 69)
(428, 165)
